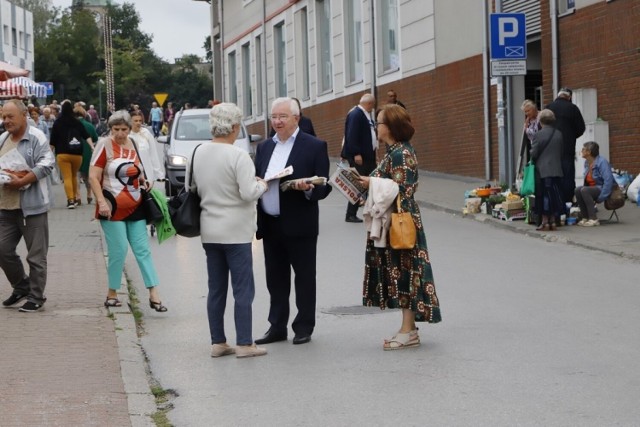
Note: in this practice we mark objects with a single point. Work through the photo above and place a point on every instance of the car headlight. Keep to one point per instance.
(174, 160)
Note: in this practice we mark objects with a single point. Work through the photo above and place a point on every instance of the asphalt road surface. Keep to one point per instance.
(533, 333)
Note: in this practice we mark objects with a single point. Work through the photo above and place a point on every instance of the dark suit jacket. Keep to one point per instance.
(357, 136)
(569, 121)
(308, 157)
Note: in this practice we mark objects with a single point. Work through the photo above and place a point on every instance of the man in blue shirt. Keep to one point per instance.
(156, 119)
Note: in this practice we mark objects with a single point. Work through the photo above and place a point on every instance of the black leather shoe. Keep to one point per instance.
(301, 339)
(353, 218)
(13, 299)
(272, 336)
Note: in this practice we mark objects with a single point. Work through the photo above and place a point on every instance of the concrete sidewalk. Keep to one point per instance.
(64, 364)
(446, 193)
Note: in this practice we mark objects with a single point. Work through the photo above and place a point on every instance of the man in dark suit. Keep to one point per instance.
(360, 143)
(288, 221)
(570, 123)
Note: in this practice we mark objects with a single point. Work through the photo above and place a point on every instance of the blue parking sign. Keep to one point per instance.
(508, 36)
(49, 86)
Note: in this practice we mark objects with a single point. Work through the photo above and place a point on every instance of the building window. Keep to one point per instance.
(27, 42)
(353, 40)
(302, 54)
(388, 19)
(14, 37)
(233, 82)
(260, 99)
(246, 80)
(6, 34)
(323, 42)
(280, 60)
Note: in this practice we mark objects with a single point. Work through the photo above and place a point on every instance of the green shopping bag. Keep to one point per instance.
(528, 180)
(164, 228)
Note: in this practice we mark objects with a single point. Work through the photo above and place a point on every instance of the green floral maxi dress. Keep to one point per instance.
(401, 278)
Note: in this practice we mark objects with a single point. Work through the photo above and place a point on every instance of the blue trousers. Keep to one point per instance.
(236, 259)
(121, 234)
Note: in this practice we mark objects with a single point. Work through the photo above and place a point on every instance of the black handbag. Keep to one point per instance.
(184, 208)
(152, 212)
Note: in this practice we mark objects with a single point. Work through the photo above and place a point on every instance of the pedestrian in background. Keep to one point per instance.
(225, 179)
(67, 136)
(392, 98)
(598, 184)
(147, 148)
(24, 211)
(360, 144)
(400, 278)
(169, 114)
(530, 128)
(546, 154)
(116, 178)
(288, 221)
(34, 113)
(156, 119)
(570, 123)
(87, 151)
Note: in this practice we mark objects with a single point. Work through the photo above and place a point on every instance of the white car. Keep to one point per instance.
(190, 129)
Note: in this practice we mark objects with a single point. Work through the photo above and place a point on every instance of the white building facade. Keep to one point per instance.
(16, 36)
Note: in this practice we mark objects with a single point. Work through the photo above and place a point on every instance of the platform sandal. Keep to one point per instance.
(400, 341)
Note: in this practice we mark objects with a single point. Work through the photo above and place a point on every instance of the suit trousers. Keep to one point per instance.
(281, 254)
(35, 231)
(364, 169)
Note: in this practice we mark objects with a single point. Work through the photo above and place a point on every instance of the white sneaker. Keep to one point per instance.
(582, 221)
(591, 223)
(250, 351)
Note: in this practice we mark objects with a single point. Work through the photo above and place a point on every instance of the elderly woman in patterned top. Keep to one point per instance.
(400, 278)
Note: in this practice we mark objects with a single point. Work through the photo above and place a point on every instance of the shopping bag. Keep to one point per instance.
(528, 180)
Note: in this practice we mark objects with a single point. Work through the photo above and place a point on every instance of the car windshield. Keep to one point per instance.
(196, 128)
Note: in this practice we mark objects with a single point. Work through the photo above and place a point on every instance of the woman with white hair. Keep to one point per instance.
(225, 179)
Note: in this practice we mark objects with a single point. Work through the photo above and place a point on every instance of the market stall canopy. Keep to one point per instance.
(10, 90)
(8, 71)
(32, 88)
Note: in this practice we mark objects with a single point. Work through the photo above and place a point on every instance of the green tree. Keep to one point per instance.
(189, 84)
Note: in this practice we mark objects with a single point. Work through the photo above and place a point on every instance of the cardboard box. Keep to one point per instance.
(511, 205)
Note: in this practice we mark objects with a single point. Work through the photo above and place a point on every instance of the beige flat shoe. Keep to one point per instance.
(401, 341)
(218, 350)
(249, 351)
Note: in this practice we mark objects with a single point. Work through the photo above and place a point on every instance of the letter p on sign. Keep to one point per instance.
(507, 28)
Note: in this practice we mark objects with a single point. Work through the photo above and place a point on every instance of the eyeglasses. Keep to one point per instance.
(380, 123)
(281, 117)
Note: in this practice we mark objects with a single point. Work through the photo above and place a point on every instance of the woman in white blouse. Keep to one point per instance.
(147, 147)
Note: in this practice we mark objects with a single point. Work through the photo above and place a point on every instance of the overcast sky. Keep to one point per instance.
(178, 27)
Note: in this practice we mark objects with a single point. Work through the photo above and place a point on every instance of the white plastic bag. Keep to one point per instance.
(632, 189)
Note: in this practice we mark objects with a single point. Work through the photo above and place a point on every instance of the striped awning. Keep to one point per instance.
(10, 90)
(31, 87)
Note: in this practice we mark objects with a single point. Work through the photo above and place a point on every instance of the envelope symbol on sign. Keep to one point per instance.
(514, 51)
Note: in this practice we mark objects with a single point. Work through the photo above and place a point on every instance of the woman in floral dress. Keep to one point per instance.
(400, 278)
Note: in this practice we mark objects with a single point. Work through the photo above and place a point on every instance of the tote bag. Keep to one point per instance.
(528, 180)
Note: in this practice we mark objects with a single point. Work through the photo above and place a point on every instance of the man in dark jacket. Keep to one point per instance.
(360, 143)
(570, 123)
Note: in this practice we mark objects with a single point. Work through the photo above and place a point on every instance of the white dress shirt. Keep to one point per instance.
(271, 199)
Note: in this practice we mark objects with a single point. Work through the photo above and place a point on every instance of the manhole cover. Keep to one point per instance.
(355, 310)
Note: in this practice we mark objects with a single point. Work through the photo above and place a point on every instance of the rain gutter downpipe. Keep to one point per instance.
(554, 47)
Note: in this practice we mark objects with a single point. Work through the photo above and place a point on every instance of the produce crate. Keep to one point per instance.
(512, 215)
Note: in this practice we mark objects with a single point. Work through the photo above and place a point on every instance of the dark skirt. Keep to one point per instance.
(549, 197)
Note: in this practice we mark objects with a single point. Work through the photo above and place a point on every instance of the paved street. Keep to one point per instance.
(532, 333)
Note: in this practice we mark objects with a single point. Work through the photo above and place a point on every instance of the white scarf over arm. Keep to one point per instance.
(378, 207)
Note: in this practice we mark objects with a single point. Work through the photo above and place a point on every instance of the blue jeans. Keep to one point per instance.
(155, 126)
(236, 259)
(119, 235)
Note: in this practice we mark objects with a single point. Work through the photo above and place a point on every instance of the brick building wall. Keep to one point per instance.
(600, 48)
(446, 109)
